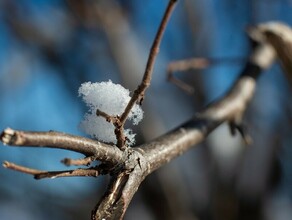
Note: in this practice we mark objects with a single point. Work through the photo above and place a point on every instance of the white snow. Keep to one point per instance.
(112, 99)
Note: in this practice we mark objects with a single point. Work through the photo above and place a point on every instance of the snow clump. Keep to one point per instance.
(112, 99)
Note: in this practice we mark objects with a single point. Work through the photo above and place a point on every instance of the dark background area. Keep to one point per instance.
(49, 47)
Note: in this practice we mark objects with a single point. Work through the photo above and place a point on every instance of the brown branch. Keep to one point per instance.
(187, 64)
(122, 188)
(193, 63)
(140, 91)
(108, 118)
(40, 174)
(229, 108)
(279, 36)
(179, 83)
(53, 139)
(149, 157)
(78, 162)
(184, 65)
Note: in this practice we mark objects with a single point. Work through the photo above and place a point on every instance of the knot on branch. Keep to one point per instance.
(135, 159)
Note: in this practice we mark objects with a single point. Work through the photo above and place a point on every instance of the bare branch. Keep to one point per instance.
(78, 162)
(53, 139)
(229, 108)
(194, 63)
(149, 157)
(179, 83)
(279, 36)
(140, 91)
(184, 65)
(89, 172)
(108, 118)
(122, 188)
(155, 154)
(187, 64)
(40, 174)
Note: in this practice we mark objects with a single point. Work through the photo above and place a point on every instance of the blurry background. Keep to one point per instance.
(49, 47)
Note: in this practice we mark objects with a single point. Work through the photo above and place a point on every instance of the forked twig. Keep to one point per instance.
(194, 63)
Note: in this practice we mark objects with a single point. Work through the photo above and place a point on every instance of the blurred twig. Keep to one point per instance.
(194, 63)
(280, 36)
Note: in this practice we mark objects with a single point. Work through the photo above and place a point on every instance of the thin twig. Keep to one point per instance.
(140, 91)
(186, 64)
(108, 118)
(180, 84)
(78, 162)
(40, 174)
(194, 63)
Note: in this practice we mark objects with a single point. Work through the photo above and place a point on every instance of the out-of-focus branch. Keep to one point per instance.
(279, 36)
(194, 63)
(53, 139)
(229, 108)
(183, 65)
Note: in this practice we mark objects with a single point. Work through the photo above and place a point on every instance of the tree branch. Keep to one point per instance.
(53, 139)
(229, 108)
(78, 162)
(40, 174)
(149, 157)
(279, 36)
(122, 188)
(193, 63)
(140, 91)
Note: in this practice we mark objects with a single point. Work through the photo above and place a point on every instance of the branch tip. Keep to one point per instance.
(8, 136)
(241, 128)
(78, 162)
(139, 93)
(5, 164)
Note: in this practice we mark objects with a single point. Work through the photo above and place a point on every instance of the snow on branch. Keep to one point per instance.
(111, 99)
